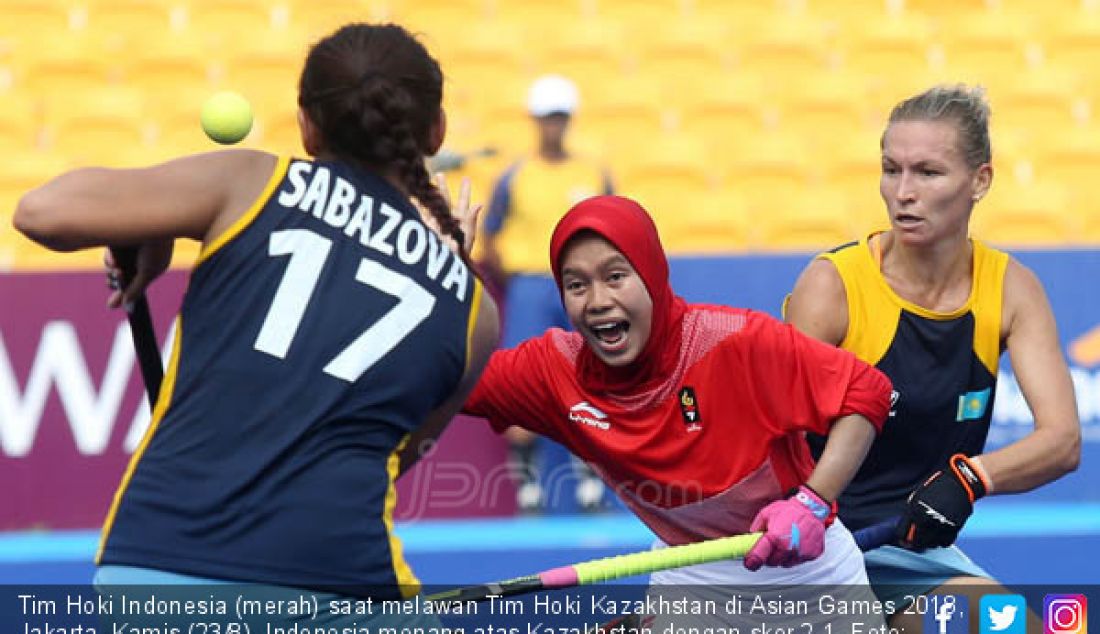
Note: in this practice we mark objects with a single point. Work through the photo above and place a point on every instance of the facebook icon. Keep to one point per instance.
(947, 614)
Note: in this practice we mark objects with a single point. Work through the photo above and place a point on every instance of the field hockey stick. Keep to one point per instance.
(641, 563)
(141, 326)
(868, 538)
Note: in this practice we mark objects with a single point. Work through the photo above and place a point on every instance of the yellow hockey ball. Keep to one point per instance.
(226, 117)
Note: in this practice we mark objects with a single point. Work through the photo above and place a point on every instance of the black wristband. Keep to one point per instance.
(967, 474)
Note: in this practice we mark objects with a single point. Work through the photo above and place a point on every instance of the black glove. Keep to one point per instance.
(937, 509)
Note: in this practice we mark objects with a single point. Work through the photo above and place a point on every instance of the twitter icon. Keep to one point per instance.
(1003, 614)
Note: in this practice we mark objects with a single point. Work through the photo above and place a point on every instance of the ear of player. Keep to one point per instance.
(794, 530)
(938, 508)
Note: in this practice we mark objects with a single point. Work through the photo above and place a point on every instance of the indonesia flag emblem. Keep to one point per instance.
(689, 409)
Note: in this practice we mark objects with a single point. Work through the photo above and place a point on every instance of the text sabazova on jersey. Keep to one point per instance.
(376, 225)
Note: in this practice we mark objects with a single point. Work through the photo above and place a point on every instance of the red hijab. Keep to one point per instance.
(628, 227)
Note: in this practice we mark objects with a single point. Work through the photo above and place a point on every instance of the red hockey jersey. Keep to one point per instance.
(697, 455)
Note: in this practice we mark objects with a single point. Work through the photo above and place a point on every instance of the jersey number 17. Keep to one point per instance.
(308, 252)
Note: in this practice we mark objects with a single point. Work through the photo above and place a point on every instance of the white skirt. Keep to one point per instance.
(829, 595)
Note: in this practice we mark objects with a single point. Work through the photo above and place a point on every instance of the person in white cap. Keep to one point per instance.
(527, 201)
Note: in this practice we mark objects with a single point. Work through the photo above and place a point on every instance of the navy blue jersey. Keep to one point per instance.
(315, 335)
(944, 370)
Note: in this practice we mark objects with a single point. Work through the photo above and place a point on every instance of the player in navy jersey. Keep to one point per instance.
(934, 309)
(326, 320)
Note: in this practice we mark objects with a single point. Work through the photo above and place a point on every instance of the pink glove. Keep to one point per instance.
(794, 530)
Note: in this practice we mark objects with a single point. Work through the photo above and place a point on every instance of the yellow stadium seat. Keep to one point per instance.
(177, 122)
(688, 35)
(707, 223)
(1072, 39)
(491, 56)
(866, 212)
(1072, 158)
(31, 170)
(267, 78)
(437, 19)
(469, 9)
(20, 123)
(511, 131)
(789, 48)
(826, 108)
(281, 134)
(990, 42)
(889, 90)
(625, 112)
(169, 66)
(277, 40)
(679, 76)
(678, 213)
(746, 14)
(541, 17)
(67, 68)
(320, 18)
(853, 168)
(507, 96)
(764, 164)
(682, 54)
(591, 52)
(1025, 215)
(28, 23)
(1090, 231)
(724, 110)
(854, 9)
(113, 100)
(126, 21)
(1038, 101)
(882, 45)
(221, 22)
(804, 221)
(640, 14)
(674, 163)
(940, 8)
(105, 127)
(498, 117)
(1014, 158)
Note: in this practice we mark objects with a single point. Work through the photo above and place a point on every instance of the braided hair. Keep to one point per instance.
(374, 92)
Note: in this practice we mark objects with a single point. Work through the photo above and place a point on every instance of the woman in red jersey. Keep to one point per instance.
(694, 414)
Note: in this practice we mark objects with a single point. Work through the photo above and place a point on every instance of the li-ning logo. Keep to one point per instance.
(895, 396)
(689, 409)
(586, 414)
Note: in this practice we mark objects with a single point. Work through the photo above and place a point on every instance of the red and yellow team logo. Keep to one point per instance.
(689, 409)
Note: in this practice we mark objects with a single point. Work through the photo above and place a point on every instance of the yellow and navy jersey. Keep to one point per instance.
(527, 202)
(314, 336)
(943, 367)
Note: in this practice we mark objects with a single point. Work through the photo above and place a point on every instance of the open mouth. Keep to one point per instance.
(611, 335)
(907, 220)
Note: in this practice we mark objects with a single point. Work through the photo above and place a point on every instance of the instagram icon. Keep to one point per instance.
(1065, 614)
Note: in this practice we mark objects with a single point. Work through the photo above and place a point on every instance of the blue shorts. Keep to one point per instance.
(896, 572)
(163, 585)
(532, 306)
